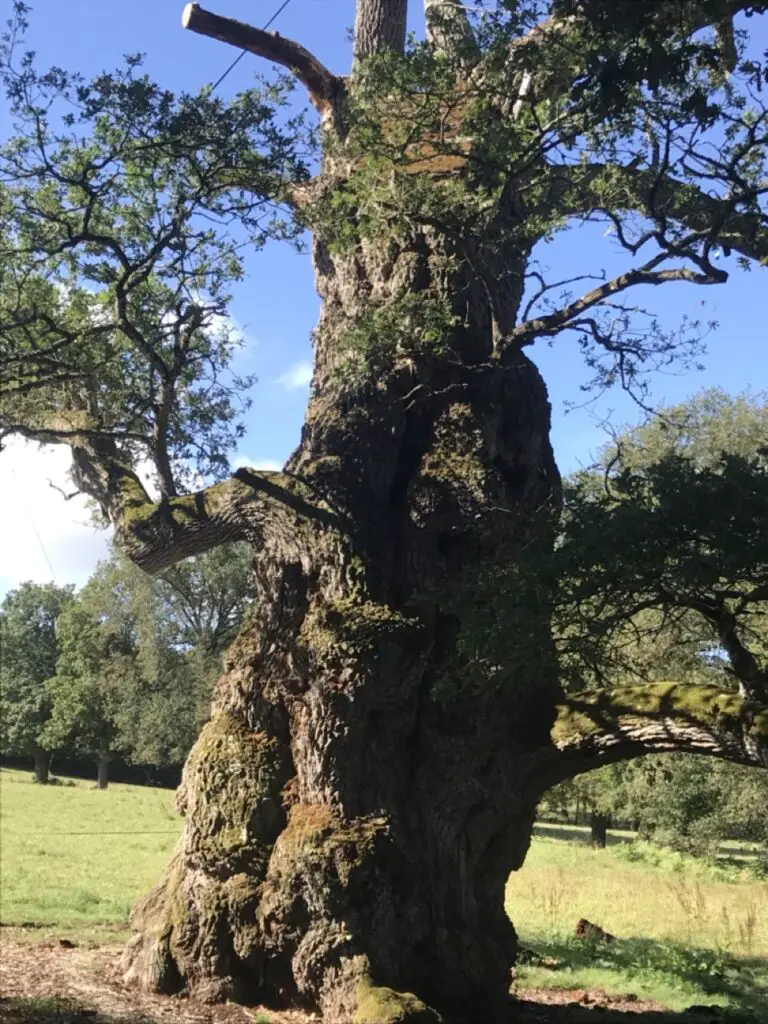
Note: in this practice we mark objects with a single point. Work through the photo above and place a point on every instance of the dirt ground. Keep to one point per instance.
(47, 983)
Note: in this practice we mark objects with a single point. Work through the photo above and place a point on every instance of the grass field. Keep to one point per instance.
(686, 932)
(73, 859)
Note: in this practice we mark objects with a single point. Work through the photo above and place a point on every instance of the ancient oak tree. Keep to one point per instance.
(394, 707)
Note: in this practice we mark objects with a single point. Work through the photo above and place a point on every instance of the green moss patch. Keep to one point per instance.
(379, 1005)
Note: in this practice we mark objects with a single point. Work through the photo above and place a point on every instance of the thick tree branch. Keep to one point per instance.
(682, 18)
(322, 85)
(551, 323)
(258, 507)
(600, 727)
(582, 190)
(753, 681)
(448, 29)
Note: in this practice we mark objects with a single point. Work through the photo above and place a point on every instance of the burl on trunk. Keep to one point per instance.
(357, 801)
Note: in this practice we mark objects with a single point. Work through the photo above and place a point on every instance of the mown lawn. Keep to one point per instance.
(74, 859)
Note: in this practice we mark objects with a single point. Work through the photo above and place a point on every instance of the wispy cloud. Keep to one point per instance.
(298, 376)
(245, 462)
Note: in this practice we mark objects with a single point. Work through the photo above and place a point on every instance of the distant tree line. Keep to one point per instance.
(124, 669)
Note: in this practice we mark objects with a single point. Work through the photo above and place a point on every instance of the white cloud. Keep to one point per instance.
(37, 525)
(245, 462)
(298, 376)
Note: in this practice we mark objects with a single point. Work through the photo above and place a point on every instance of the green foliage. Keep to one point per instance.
(124, 222)
(89, 685)
(127, 666)
(662, 565)
(139, 657)
(29, 649)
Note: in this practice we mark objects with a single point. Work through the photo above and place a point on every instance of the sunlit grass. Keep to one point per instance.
(50, 878)
(687, 932)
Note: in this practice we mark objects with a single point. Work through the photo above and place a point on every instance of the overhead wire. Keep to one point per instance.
(240, 56)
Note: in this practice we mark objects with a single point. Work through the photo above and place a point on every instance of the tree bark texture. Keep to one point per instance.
(102, 772)
(390, 713)
(354, 807)
(388, 717)
(42, 766)
(380, 25)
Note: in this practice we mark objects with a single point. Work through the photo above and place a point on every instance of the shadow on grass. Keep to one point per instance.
(577, 834)
(742, 981)
(571, 1013)
(64, 1011)
(54, 1010)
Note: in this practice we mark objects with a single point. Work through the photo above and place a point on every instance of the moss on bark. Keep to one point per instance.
(377, 1004)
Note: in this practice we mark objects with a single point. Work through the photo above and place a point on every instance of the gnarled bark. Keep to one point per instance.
(353, 809)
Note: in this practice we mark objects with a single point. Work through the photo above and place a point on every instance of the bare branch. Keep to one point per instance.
(322, 85)
(551, 323)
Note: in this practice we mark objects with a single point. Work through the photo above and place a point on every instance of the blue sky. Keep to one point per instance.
(42, 536)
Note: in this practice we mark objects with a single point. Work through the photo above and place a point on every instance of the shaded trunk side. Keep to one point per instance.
(102, 771)
(598, 826)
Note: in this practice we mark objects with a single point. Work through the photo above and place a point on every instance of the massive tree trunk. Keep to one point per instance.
(356, 803)
(390, 714)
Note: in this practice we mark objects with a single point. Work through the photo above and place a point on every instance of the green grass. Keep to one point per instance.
(55, 881)
(688, 932)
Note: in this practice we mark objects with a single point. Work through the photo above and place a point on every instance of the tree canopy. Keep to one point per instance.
(30, 651)
(662, 562)
(126, 210)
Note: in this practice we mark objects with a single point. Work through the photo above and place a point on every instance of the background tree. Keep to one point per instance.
(392, 710)
(139, 658)
(88, 688)
(29, 650)
(662, 570)
(663, 559)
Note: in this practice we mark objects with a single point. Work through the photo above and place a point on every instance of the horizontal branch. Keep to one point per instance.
(323, 86)
(681, 19)
(258, 507)
(551, 323)
(599, 727)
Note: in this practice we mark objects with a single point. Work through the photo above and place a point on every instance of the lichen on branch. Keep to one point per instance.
(597, 727)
